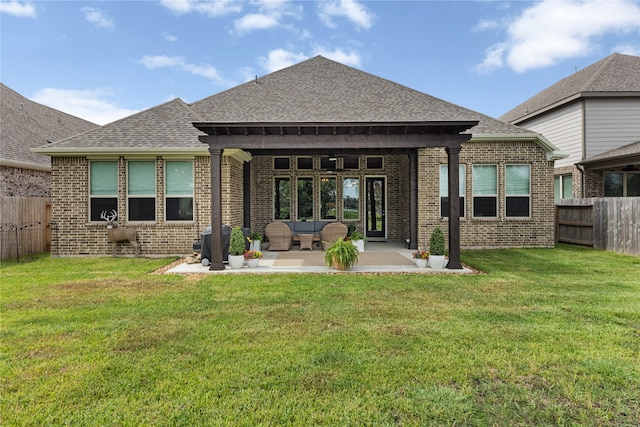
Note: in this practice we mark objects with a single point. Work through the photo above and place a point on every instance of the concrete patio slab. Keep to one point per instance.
(307, 262)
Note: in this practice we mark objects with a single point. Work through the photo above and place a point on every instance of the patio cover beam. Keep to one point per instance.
(337, 136)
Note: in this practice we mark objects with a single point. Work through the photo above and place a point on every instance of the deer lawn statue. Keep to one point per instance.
(119, 234)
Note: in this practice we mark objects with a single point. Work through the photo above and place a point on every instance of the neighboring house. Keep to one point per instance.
(594, 117)
(317, 141)
(25, 124)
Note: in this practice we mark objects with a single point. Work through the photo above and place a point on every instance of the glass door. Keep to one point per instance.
(376, 206)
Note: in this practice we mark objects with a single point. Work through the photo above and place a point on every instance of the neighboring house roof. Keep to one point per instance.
(615, 75)
(318, 90)
(25, 124)
(621, 156)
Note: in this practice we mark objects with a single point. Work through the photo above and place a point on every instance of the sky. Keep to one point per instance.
(104, 60)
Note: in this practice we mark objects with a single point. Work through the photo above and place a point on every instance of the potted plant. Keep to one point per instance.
(436, 249)
(342, 255)
(236, 248)
(255, 240)
(357, 238)
(252, 257)
(422, 258)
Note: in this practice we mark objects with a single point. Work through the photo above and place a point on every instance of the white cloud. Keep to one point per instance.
(19, 9)
(348, 58)
(97, 18)
(254, 21)
(169, 37)
(627, 49)
(270, 14)
(91, 105)
(212, 8)
(349, 9)
(280, 58)
(177, 62)
(551, 31)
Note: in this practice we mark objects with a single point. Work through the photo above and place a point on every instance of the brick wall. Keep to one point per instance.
(19, 182)
(536, 231)
(78, 236)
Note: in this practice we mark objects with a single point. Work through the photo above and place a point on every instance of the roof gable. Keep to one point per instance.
(25, 124)
(616, 73)
(322, 90)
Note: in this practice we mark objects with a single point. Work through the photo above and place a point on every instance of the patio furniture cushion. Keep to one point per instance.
(279, 235)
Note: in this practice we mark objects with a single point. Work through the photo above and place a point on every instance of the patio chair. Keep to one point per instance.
(279, 235)
(332, 232)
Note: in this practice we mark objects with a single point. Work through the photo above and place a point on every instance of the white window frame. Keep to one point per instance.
(179, 195)
(142, 196)
(474, 187)
(507, 195)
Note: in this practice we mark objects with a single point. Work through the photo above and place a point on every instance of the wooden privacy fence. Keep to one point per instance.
(609, 223)
(25, 227)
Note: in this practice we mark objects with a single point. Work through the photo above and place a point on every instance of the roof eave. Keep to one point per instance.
(74, 151)
(25, 165)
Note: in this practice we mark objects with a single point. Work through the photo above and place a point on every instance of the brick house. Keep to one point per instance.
(593, 116)
(314, 141)
(24, 125)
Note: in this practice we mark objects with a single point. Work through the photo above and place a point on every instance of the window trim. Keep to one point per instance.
(359, 199)
(507, 196)
(474, 196)
(143, 196)
(313, 197)
(180, 196)
(274, 198)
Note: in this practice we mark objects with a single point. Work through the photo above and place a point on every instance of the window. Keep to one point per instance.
(485, 191)
(282, 198)
(328, 198)
(518, 190)
(179, 190)
(562, 187)
(141, 190)
(621, 184)
(305, 162)
(351, 162)
(305, 199)
(281, 163)
(374, 163)
(103, 188)
(444, 190)
(351, 198)
(328, 163)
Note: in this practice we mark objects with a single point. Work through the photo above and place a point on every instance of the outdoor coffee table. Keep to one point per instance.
(306, 241)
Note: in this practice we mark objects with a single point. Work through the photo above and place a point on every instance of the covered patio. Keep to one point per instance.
(345, 138)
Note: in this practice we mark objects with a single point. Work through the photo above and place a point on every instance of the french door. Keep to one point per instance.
(376, 206)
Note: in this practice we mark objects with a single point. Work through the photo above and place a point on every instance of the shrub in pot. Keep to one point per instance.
(236, 248)
(342, 255)
(357, 238)
(436, 249)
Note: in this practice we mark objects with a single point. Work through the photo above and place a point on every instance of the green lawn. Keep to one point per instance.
(545, 337)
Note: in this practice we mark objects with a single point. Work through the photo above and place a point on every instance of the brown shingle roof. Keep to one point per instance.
(316, 90)
(322, 90)
(25, 124)
(165, 126)
(616, 73)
